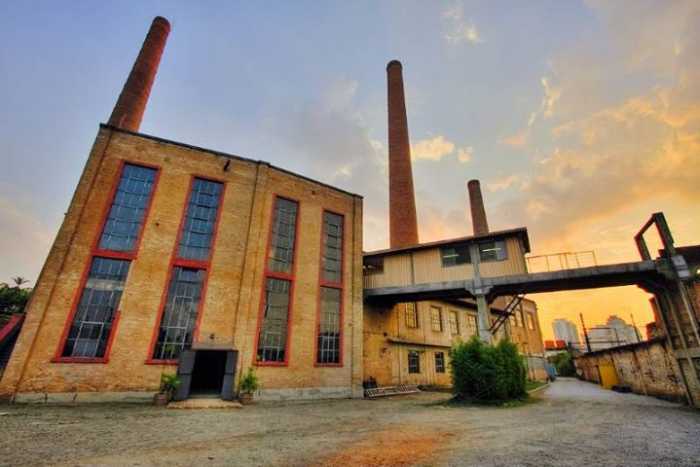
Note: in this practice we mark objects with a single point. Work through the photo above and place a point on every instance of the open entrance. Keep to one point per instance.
(208, 373)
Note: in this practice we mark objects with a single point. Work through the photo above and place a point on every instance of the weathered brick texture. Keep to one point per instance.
(403, 224)
(232, 300)
(129, 109)
(476, 205)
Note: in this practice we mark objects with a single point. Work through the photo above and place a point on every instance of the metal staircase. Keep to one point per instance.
(507, 313)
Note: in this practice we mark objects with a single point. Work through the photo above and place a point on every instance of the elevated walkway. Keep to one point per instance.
(642, 273)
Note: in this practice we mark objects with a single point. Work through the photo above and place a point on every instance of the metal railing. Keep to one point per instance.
(560, 261)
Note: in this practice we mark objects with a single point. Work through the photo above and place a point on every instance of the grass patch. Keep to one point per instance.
(530, 385)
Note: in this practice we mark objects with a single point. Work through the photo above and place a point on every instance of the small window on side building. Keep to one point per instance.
(455, 255)
(413, 361)
(373, 265)
(439, 362)
(454, 322)
(436, 319)
(411, 311)
(493, 251)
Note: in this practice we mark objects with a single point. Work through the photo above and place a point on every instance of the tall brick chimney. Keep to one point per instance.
(128, 111)
(403, 224)
(476, 203)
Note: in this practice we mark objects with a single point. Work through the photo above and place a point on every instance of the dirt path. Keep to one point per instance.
(571, 423)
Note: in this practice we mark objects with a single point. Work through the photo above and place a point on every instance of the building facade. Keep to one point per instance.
(566, 331)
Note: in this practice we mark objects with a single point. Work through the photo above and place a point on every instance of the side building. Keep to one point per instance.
(409, 342)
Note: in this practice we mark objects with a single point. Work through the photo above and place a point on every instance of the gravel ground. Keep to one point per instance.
(569, 423)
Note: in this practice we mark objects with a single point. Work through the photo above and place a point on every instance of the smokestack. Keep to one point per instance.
(128, 111)
(476, 203)
(403, 224)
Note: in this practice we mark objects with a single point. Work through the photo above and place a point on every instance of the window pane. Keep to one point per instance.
(436, 319)
(272, 341)
(411, 315)
(98, 304)
(200, 220)
(329, 326)
(493, 251)
(413, 361)
(180, 314)
(454, 322)
(128, 208)
(439, 362)
(455, 255)
(472, 325)
(283, 230)
(331, 261)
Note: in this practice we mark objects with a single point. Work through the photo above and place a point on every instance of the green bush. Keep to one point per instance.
(250, 382)
(564, 363)
(486, 372)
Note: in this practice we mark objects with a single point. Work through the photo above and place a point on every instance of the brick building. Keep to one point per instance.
(179, 258)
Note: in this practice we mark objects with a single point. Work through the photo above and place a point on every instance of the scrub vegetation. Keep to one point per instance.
(487, 373)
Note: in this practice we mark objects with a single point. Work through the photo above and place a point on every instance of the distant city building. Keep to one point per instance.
(614, 333)
(566, 331)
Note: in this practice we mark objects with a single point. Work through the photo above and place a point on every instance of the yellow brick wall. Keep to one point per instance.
(232, 301)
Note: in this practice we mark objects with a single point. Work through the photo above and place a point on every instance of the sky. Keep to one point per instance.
(579, 118)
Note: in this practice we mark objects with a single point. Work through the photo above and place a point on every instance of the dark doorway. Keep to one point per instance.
(208, 373)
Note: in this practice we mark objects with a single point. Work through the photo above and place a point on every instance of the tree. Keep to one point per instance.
(13, 299)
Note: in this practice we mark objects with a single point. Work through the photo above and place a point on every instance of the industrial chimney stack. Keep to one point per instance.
(128, 111)
(476, 203)
(403, 224)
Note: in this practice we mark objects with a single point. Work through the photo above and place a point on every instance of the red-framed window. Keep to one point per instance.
(329, 331)
(181, 309)
(274, 322)
(90, 328)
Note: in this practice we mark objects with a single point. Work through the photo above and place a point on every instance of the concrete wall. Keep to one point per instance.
(232, 300)
(647, 367)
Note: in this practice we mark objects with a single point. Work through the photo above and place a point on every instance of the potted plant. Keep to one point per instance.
(248, 385)
(168, 385)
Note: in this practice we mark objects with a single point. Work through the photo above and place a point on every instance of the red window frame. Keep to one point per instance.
(268, 274)
(176, 261)
(333, 285)
(96, 251)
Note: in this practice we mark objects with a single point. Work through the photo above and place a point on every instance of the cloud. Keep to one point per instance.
(437, 148)
(456, 29)
(616, 157)
(503, 183)
(517, 140)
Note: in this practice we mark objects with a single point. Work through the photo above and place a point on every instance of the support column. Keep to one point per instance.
(483, 312)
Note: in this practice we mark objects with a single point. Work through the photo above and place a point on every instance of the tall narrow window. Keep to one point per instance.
(88, 332)
(283, 232)
(413, 361)
(180, 314)
(126, 214)
(200, 220)
(436, 319)
(439, 362)
(329, 326)
(454, 322)
(273, 326)
(411, 315)
(272, 344)
(472, 325)
(191, 263)
(329, 335)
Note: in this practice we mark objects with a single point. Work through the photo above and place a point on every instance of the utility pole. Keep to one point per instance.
(585, 333)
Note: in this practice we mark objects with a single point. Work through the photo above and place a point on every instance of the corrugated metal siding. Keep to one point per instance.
(427, 268)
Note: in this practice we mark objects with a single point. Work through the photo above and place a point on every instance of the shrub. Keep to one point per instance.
(169, 384)
(564, 363)
(250, 382)
(486, 372)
